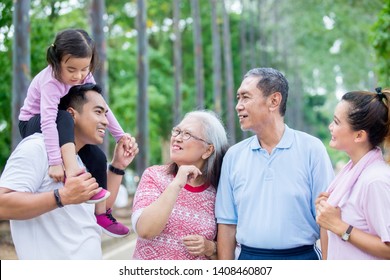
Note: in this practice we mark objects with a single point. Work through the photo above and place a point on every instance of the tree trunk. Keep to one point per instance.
(252, 42)
(97, 11)
(228, 76)
(263, 59)
(243, 39)
(177, 56)
(243, 51)
(217, 72)
(142, 159)
(198, 52)
(276, 24)
(21, 63)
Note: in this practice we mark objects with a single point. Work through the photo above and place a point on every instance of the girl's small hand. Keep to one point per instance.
(57, 173)
(127, 144)
(121, 157)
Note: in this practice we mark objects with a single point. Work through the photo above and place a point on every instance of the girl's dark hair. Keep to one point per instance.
(370, 112)
(74, 42)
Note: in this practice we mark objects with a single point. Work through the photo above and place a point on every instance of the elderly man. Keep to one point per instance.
(269, 182)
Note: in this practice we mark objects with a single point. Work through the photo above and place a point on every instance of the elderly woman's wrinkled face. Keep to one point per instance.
(188, 143)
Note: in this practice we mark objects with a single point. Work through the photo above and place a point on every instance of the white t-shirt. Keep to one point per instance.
(70, 232)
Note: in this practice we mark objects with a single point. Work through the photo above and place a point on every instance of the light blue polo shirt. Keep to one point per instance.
(271, 197)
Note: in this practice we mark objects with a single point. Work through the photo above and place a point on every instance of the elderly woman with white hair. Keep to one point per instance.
(173, 208)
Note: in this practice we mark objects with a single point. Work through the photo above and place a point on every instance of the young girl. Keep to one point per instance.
(72, 59)
(354, 214)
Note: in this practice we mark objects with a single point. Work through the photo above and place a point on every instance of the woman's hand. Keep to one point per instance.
(200, 246)
(322, 196)
(186, 173)
(329, 217)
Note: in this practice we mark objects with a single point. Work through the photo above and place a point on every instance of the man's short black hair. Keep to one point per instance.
(76, 96)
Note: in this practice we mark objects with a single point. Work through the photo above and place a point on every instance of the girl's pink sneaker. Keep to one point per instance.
(110, 226)
(100, 196)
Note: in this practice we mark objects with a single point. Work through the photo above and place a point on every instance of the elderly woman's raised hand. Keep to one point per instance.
(186, 173)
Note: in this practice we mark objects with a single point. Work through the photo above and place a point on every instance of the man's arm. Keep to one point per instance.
(121, 159)
(226, 241)
(23, 205)
(16, 205)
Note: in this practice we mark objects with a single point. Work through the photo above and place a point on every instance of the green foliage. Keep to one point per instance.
(316, 42)
(296, 42)
(381, 42)
(46, 22)
(5, 80)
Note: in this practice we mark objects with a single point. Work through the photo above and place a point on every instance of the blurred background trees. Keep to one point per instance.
(183, 55)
